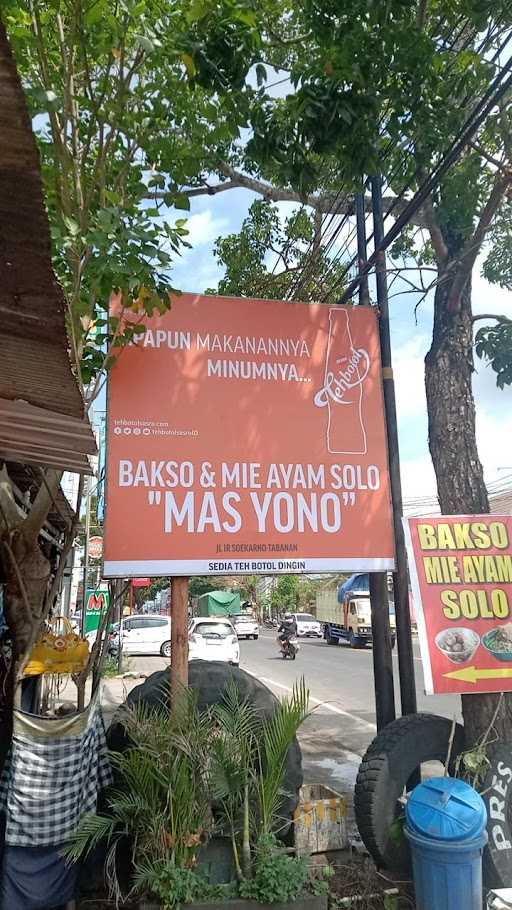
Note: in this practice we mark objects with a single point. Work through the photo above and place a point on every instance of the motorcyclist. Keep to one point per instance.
(287, 628)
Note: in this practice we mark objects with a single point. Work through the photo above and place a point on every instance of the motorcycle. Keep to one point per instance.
(289, 648)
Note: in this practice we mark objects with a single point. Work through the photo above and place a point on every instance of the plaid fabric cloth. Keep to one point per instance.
(52, 777)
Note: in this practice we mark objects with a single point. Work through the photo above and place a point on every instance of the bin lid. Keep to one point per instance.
(445, 808)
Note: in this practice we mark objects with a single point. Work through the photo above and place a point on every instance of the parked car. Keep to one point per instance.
(145, 634)
(213, 639)
(245, 626)
(307, 625)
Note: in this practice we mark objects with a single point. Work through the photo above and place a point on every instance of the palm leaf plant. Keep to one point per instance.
(278, 732)
(248, 763)
(162, 801)
(239, 727)
(191, 773)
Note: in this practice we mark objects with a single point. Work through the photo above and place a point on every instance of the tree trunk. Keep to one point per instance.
(452, 442)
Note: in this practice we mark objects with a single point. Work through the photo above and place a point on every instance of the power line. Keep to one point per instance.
(307, 268)
(497, 90)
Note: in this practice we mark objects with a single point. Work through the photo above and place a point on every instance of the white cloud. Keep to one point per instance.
(204, 228)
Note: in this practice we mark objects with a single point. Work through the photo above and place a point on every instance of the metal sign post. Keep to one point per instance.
(400, 580)
(381, 636)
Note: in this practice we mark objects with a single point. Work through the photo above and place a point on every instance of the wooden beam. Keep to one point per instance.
(179, 637)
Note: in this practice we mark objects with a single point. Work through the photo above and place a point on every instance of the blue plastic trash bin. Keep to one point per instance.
(445, 826)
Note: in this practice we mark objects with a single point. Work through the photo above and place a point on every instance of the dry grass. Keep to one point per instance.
(356, 884)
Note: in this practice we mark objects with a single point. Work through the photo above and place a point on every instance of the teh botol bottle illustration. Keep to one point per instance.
(342, 395)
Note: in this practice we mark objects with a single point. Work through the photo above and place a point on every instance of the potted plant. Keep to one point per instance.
(189, 775)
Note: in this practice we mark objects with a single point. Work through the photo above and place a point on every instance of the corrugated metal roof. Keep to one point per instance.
(35, 436)
(35, 368)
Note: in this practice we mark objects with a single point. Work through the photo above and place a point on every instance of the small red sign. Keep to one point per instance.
(461, 576)
(95, 547)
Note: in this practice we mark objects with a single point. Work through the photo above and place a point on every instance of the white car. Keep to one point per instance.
(113, 634)
(245, 626)
(143, 634)
(307, 625)
(213, 639)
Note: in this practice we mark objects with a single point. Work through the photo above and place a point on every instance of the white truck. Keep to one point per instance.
(345, 614)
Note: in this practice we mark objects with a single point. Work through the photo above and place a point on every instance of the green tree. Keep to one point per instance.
(120, 129)
(387, 87)
(264, 236)
(285, 594)
(247, 587)
(373, 86)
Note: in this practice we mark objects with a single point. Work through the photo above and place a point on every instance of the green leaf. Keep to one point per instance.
(196, 10)
(145, 43)
(181, 201)
(189, 64)
(247, 16)
(71, 225)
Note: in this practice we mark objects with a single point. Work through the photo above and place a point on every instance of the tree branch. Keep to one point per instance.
(421, 14)
(496, 316)
(317, 236)
(436, 234)
(472, 246)
(490, 158)
(324, 203)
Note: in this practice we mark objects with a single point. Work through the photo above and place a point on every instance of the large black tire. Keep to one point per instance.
(210, 679)
(392, 757)
(497, 795)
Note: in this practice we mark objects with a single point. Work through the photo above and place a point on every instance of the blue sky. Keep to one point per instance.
(197, 269)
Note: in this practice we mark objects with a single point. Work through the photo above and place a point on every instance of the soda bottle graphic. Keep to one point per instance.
(342, 395)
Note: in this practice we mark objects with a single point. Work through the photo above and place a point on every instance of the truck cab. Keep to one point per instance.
(347, 617)
(358, 620)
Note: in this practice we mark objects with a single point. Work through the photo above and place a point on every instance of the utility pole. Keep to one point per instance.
(400, 578)
(382, 656)
(362, 252)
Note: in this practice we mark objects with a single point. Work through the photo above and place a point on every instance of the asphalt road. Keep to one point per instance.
(340, 681)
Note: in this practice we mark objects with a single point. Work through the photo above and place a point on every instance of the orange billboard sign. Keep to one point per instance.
(248, 437)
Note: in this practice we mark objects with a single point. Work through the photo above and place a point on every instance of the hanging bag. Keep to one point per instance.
(58, 651)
